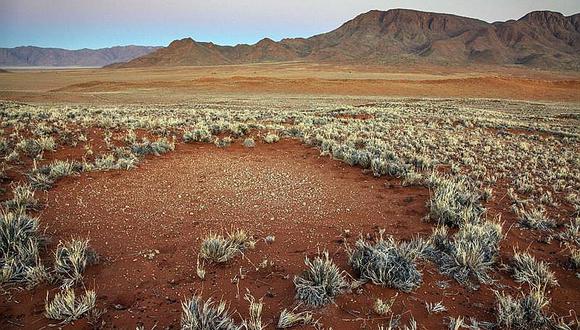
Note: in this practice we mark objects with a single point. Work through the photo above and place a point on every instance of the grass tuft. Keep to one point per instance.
(217, 248)
(271, 138)
(255, 320)
(454, 201)
(22, 199)
(19, 246)
(535, 218)
(199, 315)
(71, 259)
(67, 307)
(469, 254)
(388, 262)
(529, 270)
(289, 319)
(320, 282)
(525, 312)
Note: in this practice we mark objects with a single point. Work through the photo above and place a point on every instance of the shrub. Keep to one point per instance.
(470, 254)
(198, 315)
(19, 246)
(71, 259)
(320, 282)
(218, 248)
(528, 270)
(525, 312)
(67, 307)
(388, 262)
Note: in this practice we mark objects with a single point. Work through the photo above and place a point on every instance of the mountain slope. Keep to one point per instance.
(37, 56)
(540, 39)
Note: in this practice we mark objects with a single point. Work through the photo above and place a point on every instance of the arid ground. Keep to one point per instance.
(508, 133)
(179, 84)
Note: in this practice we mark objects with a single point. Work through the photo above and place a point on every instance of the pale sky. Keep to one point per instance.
(77, 24)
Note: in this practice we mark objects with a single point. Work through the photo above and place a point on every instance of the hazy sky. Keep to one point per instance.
(102, 23)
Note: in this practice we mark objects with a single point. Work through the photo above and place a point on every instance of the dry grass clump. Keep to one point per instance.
(19, 246)
(457, 323)
(201, 134)
(291, 318)
(67, 307)
(71, 259)
(271, 138)
(383, 307)
(22, 199)
(535, 218)
(249, 143)
(44, 177)
(122, 159)
(217, 248)
(156, 148)
(454, 201)
(575, 258)
(529, 270)
(33, 148)
(572, 231)
(525, 312)
(435, 308)
(469, 254)
(223, 143)
(199, 315)
(254, 322)
(320, 282)
(388, 262)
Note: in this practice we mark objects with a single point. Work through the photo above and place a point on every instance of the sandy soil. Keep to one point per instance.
(178, 84)
(286, 190)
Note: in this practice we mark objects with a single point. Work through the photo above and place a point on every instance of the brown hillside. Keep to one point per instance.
(539, 39)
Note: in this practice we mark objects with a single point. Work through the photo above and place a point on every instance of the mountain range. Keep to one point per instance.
(542, 39)
(47, 57)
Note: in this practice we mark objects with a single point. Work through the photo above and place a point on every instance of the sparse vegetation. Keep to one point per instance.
(476, 160)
